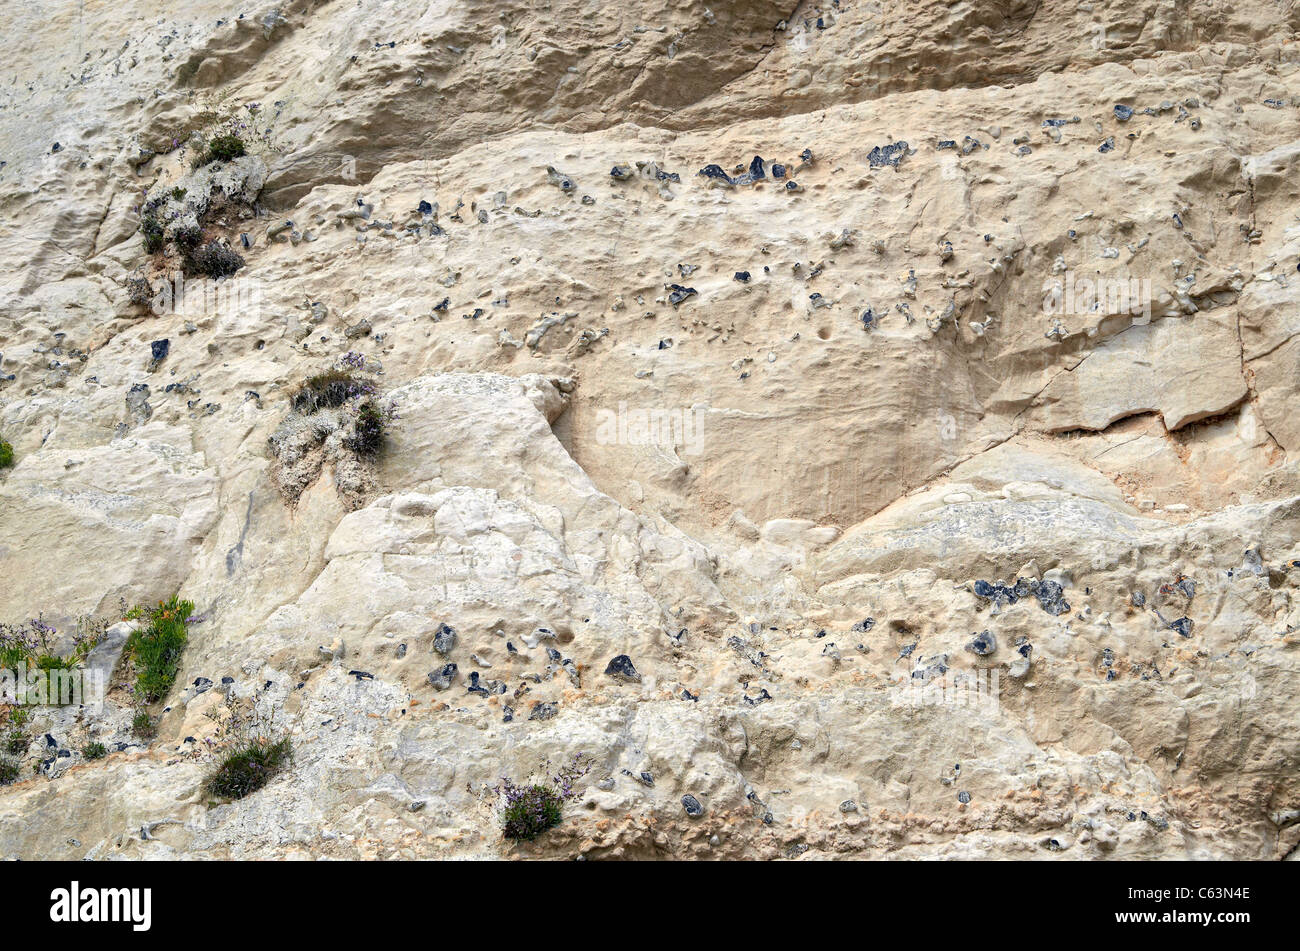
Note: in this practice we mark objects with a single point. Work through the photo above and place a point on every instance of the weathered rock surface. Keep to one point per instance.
(928, 380)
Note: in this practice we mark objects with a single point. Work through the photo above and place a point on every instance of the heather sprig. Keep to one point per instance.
(528, 809)
(354, 361)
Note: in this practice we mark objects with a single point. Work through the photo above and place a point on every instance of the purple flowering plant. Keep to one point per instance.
(530, 808)
(35, 642)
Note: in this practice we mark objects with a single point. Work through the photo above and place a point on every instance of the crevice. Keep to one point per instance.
(99, 226)
(1245, 361)
(1252, 397)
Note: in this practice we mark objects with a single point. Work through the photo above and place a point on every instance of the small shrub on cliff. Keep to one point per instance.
(367, 429)
(249, 766)
(529, 809)
(222, 148)
(336, 417)
(9, 770)
(143, 725)
(16, 645)
(156, 648)
(329, 390)
(15, 740)
(95, 751)
(220, 129)
(254, 750)
(6, 455)
(139, 291)
(213, 259)
(187, 237)
(153, 233)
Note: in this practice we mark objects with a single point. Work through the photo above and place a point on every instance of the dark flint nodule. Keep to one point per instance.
(620, 668)
(890, 155)
(678, 293)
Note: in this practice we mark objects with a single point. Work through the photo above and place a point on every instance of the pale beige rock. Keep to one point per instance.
(1163, 368)
(777, 513)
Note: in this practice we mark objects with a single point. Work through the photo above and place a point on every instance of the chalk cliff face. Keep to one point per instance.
(907, 390)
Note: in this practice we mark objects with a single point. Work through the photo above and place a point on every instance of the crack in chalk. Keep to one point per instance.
(236, 554)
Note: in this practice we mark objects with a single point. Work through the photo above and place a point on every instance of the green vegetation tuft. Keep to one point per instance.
(152, 230)
(15, 744)
(36, 644)
(188, 237)
(213, 259)
(223, 148)
(328, 390)
(156, 648)
(249, 766)
(529, 809)
(143, 725)
(95, 751)
(369, 428)
(6, 455)
(536, 809)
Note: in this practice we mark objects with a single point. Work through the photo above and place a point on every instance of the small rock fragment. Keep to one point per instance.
(620, 668)
(444, 678)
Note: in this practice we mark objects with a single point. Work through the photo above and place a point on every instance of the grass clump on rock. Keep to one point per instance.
(155, 235)
(329, 390)
(10, 769)
(249, 766)
(368, 428)
(139, 291)
(6, 455)
(530, 810)
(252, 750)
(144, 726)
(157, 646)
(214, 259)
(223, 148)
(15, 741)
(95, 751)
(40, 646)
